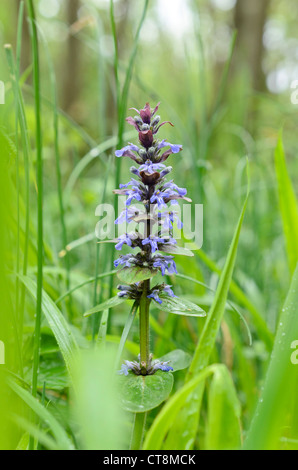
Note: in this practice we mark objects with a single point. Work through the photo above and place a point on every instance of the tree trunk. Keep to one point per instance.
(71, 83)
(250, 17)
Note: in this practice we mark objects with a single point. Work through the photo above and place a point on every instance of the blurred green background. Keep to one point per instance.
(223, 71)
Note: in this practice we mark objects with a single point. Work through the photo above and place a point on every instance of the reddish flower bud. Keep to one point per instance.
(146, 138)
(146, 114)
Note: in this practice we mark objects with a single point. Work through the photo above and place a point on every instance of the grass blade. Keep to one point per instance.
(63, 441)
(223, 422)
(39, 182)
(287, 204)
(167, 416)
(57, 323)
(276, 412)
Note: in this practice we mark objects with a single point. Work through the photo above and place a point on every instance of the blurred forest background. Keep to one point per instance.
(228, 95)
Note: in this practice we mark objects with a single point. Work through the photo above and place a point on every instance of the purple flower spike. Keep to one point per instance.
(151, 189)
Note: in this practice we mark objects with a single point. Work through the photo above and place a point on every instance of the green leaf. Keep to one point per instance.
(179, 359)
(276, 413)
(54, 375)
(287, 204)
(139, 394)
(113, 302)
(58, 324)
(185, 427)
(175, 250)
(62, 439)
(179, 306)
(223, 420)
(136, 274)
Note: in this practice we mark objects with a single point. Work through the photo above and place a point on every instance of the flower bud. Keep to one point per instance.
(143, 154)
(151, 152)
(138, 121)
(146, 138)
(155, 121)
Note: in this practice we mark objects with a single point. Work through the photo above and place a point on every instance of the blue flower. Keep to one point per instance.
(153, 242)
(123, 240)
(168, 219)
(150, 167)
(167, 289)
(127, 215)
(165, 263)
(127, 151)
(126, 260)
(173, 187)
(124, 370)
(158, 198)
(174, 147)
(162, 366)
(132, 194)
(154, 295)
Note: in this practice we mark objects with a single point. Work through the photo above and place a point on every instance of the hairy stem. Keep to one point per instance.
(144, 328)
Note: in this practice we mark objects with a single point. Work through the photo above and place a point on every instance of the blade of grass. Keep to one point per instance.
(224, 411)
(126, 330)
(16, 317)
(34, 431)
(167, 416)
(26, 152)
(58, 324)
(58, 431)
(39, 181)
(97, 259)
(89, 281)
(274, 413)
(288, 205)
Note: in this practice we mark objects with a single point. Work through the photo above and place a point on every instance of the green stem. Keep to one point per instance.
(39, 179)
(144, 328)
(138, 431)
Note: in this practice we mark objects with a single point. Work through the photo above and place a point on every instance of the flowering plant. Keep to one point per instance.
(154, 235)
